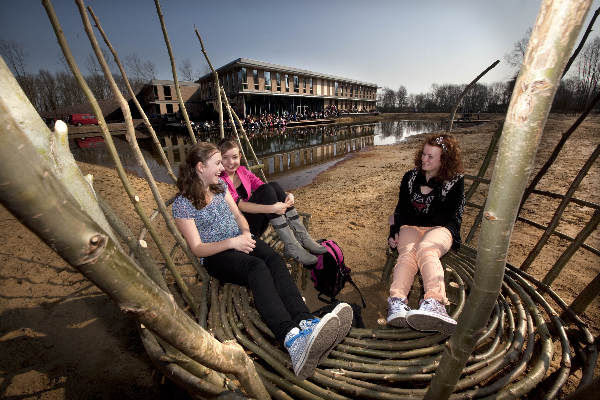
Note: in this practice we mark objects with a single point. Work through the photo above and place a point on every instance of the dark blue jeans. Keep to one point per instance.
(264, 272)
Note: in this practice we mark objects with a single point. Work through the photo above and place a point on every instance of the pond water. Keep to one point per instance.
(267, 143)
(392, 132)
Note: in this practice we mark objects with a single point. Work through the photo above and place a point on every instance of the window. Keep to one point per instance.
(296, 83)
(303, 85)
(267, 80)
(286, 78)
(155, 89)
(310, 83)
(244, 78)
(278, 81)
(336, 88)
(169, 108)
(255, 78)
(167, 91)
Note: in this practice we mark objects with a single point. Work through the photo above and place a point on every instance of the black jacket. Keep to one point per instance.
(442, 207)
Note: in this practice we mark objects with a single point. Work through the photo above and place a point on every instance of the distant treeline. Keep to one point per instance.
(576, 91)
(572, 96)
(52, 92)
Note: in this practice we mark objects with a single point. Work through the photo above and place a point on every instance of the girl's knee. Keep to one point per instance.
(270, 189)
(426, 247)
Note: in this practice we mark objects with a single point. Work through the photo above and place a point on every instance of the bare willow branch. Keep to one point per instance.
(464, 92)
(141, 162)
(147, 123)
(217, 85)
(551, 41)
(582, 41)
(41, 202)
(174, 70)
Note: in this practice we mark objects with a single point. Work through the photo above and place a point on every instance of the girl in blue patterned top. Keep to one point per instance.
(216, 231)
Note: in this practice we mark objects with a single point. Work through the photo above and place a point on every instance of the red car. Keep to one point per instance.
(82, 119)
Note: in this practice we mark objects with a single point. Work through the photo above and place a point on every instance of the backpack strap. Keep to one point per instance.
(359, 292)
(334, 250)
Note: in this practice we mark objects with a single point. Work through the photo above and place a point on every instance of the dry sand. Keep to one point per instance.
(60, 337)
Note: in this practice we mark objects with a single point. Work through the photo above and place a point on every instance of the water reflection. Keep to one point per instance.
(264, 143)
(98, 154)
(392, 132)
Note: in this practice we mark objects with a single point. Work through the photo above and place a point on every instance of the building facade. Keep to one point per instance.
(255, 87)
(160, 97)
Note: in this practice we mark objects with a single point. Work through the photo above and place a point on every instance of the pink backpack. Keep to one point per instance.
(330, 273)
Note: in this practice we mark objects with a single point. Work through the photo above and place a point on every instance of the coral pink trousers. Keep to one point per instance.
(420, 249)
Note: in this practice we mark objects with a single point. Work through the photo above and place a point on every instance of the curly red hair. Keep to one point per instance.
(451, 158)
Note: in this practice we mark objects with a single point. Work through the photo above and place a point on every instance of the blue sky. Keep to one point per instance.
(391, 43)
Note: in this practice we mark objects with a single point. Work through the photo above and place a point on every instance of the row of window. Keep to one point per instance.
(280, 82)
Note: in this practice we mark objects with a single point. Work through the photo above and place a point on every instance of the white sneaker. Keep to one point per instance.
(431, 316)
(345, 315)
(397, 310)
(306, 346)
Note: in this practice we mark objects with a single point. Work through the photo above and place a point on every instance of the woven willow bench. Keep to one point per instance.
(532, 344)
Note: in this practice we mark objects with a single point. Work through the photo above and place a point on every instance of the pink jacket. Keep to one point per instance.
(250, 181)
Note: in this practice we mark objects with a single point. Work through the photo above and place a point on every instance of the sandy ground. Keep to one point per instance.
(61, 338)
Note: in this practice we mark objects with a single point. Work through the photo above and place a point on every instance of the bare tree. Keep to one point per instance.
(401, 97)
(68, 89)
(14, 56)
(47, 89)
(387, 99)
(515, 57)
(139, 71)
(187, 71)
(476, 99)
(588, 71)
(445, 96)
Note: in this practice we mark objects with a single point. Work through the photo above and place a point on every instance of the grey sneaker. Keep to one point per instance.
(306, 346)
(345, 314)
(397, 309)
(431, 316)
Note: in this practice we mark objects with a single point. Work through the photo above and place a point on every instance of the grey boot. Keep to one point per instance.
(302, 235)
(292, 248)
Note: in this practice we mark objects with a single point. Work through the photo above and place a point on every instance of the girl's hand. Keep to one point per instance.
(279, 208)
(289, 199)
(392, 242)
(243, 243)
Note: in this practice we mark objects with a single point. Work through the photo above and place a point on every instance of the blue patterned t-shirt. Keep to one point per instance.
(215, 222)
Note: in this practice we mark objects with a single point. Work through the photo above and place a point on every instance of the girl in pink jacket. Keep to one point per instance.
(262, 203)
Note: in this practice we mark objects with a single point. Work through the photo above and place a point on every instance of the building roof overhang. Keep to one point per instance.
(248, 62)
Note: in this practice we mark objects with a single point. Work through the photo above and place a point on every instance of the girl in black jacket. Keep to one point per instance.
(425, 225)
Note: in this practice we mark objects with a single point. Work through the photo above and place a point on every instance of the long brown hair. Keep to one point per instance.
(189, 183)
(451, 157)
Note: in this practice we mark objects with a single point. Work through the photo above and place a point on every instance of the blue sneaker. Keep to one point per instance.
(397, 310)
(345, 314)
(306, 346)
(431, 316)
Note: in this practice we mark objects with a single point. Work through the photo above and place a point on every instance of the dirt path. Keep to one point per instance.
(60, 337)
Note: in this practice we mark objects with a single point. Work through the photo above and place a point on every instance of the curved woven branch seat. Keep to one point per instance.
(532, 343)
(527, 345)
